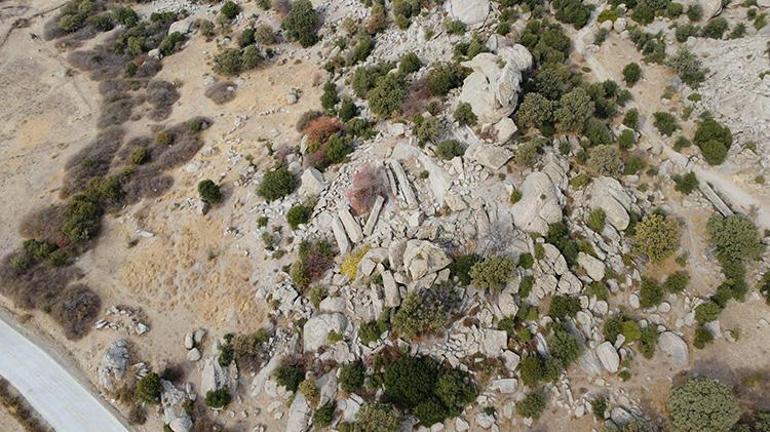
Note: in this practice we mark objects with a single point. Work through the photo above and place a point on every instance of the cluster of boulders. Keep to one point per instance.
(116, 316)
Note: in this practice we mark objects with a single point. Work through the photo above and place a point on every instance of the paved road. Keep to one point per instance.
(55, 394)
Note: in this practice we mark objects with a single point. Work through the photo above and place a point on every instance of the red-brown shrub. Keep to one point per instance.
(368, 183)
(320, 129)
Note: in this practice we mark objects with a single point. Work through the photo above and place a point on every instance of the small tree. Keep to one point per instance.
(714, 140)
(605, 160)
(378, 417)
(301, 23)
(702, 405)
(532, 406)
(464, 114)
(149, 388)
(665, 123)
(735, 237)
(657, 236)
(535, 111)
(352, 376)
(209, 192)
(277, 183)
(230, 10)
(632, 73)
(575, 108)
(386, 96)
(493, 273)
(219, 398)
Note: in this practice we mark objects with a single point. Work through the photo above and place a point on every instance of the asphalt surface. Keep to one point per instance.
(50, 389)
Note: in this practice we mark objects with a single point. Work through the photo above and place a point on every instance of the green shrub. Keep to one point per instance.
(735, 237)
(657, 236)
(564, 346)
(702, 405)
(149, 388)
(535, 111)
(702, 338)
(409, 63)
(707, 312)
(715, 28)
(324, 415)
(352, 376)
(370, 332)
(378, 417)
(676, 282)
(650, 294)
(455, 27)
(714, 140)
(574, 109)
(532, 406)
(574, 12)
(450, 149)
(277, 183)
(455, 389)
(461, 268)
(410, 380)
(386, 96)
(632, 73)
(230, 10)
(631, 119)
(425, 311)
(688, 67)
(464, 115)
(171, 43)
(493, 273)
(219, 398)
(330, 97)
(301, 23)
(228, 62)
(563, 307)
(209, 192)
(299, 214)
(665, 123)
(426, 128)
(82, 219)
(648, 340)
(597, 219)
(674, 10)
(626, 139)
(443, 77)
(605, 160)
(685, 183)
(289, 376)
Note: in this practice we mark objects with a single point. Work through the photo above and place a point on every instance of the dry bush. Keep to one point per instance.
(76, 309)
(115, 113)
(306, 118)
(161, 95)
(37, 287)
(221, 92)
(321, 129)
(185, 145)
(417, 99)
(123, 157)
(43, 224)
(148, 67)
(115, 89)
(92, 161)
(369, 182)
(101, 64)
(146, 183)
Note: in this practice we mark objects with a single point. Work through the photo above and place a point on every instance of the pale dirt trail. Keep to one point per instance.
(738, 198)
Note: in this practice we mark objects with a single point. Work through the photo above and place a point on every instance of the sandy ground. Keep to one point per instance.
(192, 273)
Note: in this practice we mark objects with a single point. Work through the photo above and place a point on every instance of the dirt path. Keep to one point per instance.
(738, 198)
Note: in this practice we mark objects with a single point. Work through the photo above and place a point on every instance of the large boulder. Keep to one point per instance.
(174, 408)
(213, 375)
(492, 90)
(674, 348)
(609, 195)
(112, 368)
(469, 12)
(423, 257)
(492, 157)
(608, 356)
(298, 419)
(316, 330)
(540, 204)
